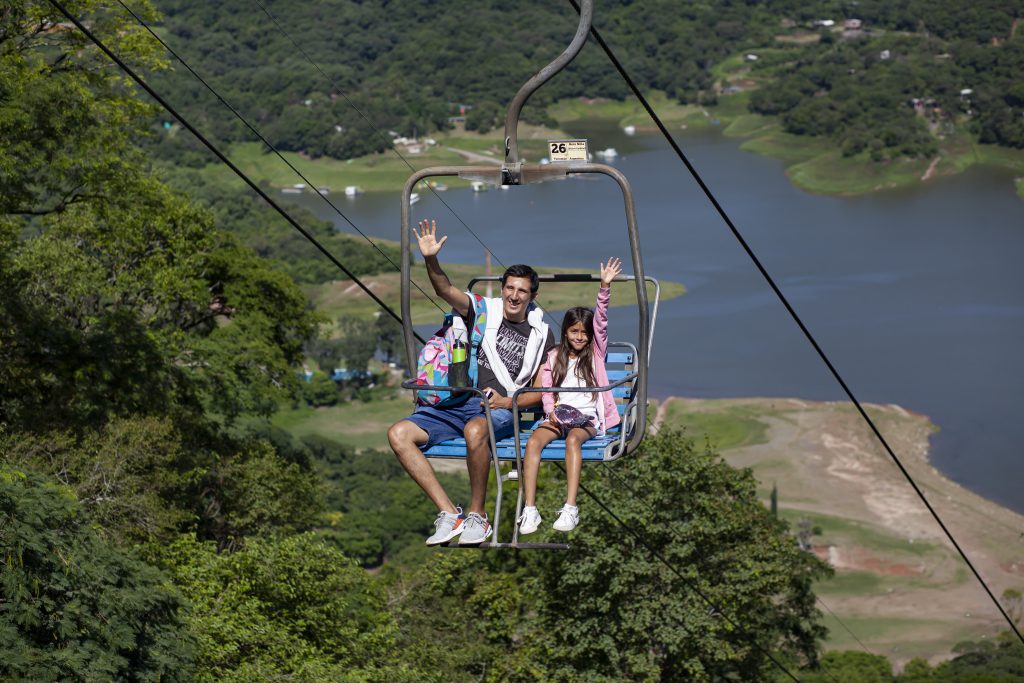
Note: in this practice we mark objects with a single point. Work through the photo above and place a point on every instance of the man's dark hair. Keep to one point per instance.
(523, 270)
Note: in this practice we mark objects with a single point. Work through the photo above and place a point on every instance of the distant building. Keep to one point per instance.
(884, 54)
(852, 24)
(824, 23)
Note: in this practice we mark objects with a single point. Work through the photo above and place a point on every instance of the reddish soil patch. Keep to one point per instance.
(862, 560)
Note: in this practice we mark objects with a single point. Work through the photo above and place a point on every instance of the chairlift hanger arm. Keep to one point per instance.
(539, 79)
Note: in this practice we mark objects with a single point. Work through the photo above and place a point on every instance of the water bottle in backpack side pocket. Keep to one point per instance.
(458, 373)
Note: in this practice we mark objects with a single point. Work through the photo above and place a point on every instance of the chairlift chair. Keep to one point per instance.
(627, 364)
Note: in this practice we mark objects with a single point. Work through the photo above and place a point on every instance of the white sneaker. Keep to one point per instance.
(529, 520)
(447, 526)
(476, 529)
(568, 518)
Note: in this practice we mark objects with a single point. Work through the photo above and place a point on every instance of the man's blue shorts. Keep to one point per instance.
(442, 424)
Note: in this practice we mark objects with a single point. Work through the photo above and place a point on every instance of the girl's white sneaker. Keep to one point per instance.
(568, 518)
(529, 520)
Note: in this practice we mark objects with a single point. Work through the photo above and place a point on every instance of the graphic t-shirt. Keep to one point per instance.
(511, 347)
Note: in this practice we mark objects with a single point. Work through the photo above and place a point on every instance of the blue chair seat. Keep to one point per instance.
(594, 450)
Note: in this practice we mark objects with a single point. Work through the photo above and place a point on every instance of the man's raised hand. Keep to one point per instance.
(427, 238)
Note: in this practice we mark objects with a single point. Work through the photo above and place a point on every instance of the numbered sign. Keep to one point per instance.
(567, 150)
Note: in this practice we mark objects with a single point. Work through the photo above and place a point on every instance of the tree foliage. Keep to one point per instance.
(64, 109)
(728, 584)
(862, 667)
(917, 72)
(284, 609)
(74, 607)
(134, 334)
(999, 660)
(837, 88)
(262, 229)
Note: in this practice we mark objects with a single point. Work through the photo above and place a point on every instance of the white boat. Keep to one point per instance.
(609, 153)
(413, 198)
(352, 190)
(629, 130)
(324, 190)
(291, 190)
(479, 186)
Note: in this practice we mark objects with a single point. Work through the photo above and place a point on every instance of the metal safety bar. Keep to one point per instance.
(590, 277)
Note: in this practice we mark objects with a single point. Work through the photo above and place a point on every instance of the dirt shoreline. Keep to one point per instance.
(900, 584)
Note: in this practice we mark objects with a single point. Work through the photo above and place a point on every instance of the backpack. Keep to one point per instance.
(435, 363)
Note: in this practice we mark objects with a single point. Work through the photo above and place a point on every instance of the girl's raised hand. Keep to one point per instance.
(611, 271)
(427, 238)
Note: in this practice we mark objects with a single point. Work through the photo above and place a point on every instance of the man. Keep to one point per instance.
(515, 342)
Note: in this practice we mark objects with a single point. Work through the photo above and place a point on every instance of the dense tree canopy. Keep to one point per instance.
(284, 609)
(73, 607)
(408, 66)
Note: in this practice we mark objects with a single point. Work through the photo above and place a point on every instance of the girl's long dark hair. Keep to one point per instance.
(585, 359)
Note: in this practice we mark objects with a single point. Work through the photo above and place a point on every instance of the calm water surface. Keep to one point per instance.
(916, 296)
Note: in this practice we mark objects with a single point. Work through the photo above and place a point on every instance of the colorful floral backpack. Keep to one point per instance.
(449, 358)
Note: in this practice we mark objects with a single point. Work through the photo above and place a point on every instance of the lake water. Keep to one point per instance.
(915, 295)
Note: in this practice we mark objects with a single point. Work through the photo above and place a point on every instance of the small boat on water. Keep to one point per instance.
(609, 153)
(413, 198)
(479, 186)
(629, 130)
(352, 190)
(291, 190)
(324, 190)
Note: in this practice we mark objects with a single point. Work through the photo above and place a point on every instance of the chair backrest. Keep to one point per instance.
(620, 363)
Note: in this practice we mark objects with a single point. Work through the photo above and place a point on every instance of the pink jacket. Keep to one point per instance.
(611, 412)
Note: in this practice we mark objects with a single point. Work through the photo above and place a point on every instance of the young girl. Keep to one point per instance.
(576, 416)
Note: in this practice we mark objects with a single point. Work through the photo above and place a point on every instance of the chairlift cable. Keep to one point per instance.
(796, 318)
(220, 155)
(273, 149)
(847, 628)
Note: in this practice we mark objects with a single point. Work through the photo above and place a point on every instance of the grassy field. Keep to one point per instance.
(898, 638)
(724, 429)
(353, 423)
(630, 112)
(747, 125)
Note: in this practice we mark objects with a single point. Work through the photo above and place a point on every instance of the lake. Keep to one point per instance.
(915, 295)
